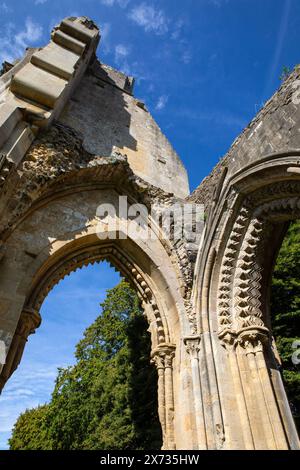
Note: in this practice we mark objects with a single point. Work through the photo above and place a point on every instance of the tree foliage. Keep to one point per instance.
(286, 312)
(108, 399)
(31, 430)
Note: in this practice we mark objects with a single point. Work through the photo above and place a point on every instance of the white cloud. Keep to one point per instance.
(161, 103)
(5, 8)
(105, 30)
(105, 44)
(39, 2)
(186, 56)
(150, 18)
(178, 29)
(121, 52)
(220, 117)
(111, 3)
(218, 3)
(27, 389)
(31, 33)
(12, 45)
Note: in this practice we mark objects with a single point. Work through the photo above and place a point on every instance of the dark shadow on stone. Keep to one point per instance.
(99, 112)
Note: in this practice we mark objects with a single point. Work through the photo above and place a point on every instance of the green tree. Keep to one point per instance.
(285, 309)
(31, 431)
(108, 399)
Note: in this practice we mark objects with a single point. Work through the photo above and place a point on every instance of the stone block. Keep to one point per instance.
(38, 85)
(18, 143)
(10, 115)
(57, 60)
(69, 42)
(78, 31)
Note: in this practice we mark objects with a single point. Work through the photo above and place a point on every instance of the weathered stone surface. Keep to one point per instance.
(37, 85)
(110, 119)
(206, 299)
(55, 60)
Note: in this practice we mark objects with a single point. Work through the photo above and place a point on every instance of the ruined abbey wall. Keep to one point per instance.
(73, 136)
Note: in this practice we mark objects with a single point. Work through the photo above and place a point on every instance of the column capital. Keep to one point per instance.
(228, 339)
(192, 345)
(253, 339)
(163, 355)
(30, 319)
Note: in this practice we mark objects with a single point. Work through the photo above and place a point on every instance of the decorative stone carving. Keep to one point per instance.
(242, 328)
(253, 340)
(246, 292)
(228, 268)
(192, 345)
(123, 264)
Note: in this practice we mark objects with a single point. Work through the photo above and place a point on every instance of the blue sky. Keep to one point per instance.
(204, 69)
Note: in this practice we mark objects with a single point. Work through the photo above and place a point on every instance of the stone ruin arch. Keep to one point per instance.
(48, 244)
(241, 247)
(72, 136)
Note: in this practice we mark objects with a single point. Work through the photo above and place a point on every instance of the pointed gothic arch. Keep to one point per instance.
(246, 231)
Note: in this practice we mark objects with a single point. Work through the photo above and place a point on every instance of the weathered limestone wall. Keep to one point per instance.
(67, 123)
(110, 119)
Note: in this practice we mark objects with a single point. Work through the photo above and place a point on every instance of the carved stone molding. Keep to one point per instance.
(228, 268)
(120, 262)
(248, 275)
(228, 339)
(253, 340)
(163, 356)
(29, 320)
(274, 191)
(241, 272)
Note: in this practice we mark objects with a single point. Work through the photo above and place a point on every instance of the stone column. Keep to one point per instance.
(162, 357)
(265, 420)
(28, 322)
(159, 362)
(228, 340)
(192, 344)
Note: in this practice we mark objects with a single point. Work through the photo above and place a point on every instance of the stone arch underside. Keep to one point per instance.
(58, 235)
(246, 231)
